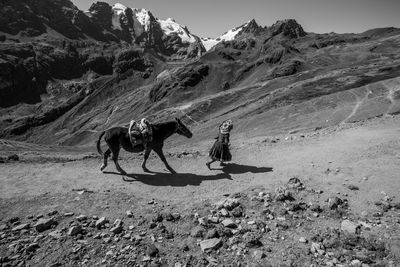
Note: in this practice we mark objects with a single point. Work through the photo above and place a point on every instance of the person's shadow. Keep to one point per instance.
(168, 179)
(233, 168)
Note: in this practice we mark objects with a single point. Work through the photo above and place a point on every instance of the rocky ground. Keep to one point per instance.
(61, 211)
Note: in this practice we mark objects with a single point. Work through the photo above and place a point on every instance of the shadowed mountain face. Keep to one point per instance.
(66, 75)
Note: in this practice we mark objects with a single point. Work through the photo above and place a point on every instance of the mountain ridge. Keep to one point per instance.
(62, 90)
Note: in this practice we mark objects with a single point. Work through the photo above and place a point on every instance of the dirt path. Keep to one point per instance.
(367, 156)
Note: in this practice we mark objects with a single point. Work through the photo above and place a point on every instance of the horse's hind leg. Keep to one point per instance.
(145, 157)
(115, 153)
(106, 155)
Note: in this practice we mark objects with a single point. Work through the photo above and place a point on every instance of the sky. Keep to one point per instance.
(211, 18)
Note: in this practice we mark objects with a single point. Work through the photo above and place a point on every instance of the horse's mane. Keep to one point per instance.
(163, 123)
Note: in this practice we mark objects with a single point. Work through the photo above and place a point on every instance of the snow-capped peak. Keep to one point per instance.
(118, 10)
(227, 36)
(169, 27)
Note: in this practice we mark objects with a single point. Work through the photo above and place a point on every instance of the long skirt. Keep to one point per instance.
(220, 151)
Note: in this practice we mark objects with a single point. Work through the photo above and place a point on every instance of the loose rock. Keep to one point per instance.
(350, 227)
(210, 244)
(229, 223)
(74, 230)
(21, 227)
(44, 224)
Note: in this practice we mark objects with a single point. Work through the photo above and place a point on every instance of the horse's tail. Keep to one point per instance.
(98, 143)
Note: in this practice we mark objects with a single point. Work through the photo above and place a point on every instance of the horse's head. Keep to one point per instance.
(182, 129)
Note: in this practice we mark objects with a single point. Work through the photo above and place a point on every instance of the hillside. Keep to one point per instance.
(268, 79)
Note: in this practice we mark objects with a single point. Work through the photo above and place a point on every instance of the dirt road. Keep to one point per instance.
(366, 155)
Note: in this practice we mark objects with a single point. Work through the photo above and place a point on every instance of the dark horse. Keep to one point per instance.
(118, 137)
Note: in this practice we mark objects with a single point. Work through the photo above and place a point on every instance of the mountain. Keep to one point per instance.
(249, 27)
(66, 74)
(102, 22)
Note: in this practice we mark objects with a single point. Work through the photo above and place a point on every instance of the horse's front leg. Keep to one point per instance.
(145, 157)
(162, 157)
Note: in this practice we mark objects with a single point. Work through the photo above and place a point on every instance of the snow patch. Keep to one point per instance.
(169, 27)
(227, 36)
(143, 17)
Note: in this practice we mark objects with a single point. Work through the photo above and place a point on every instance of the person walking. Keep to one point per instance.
(220, 150)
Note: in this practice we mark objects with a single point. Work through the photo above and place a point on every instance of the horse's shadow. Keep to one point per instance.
(168, 179)
(233, 168)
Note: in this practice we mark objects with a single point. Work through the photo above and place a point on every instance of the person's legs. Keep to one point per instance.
(208, 164)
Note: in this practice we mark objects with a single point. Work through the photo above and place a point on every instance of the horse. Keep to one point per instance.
(118, 137)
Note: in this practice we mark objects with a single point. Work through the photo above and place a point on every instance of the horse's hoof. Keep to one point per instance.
(102, 167)
(146, 170)
(172, 171)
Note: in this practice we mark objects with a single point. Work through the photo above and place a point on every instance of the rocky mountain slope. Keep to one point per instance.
(94, 70)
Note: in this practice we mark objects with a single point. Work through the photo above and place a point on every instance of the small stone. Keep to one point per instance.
(151, 250)
(52, 213)
(158, 218)
(56, 234)
(350, 227)
(213, 219)
(258, 254)
(146, 258)
(44, 224)
(151, 202)
(32, 247)
(81, 217)
(21, 227)
(100, 222)
(353, 187)
(334, 203)
(229, 223)
(251, 222)
(315, 207)
(238, 211)
(68, 214)
(116, 229)
(129, 214)
(356, 263)
(109, 253)
(224, 212)
(316, 247)
(228, 203)
(210, 244)
(74, 230)
(202, 221)
(152, 225)
(212, 233)
(97, 236)
(252, 240)
(302, 240)
(197, 231)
